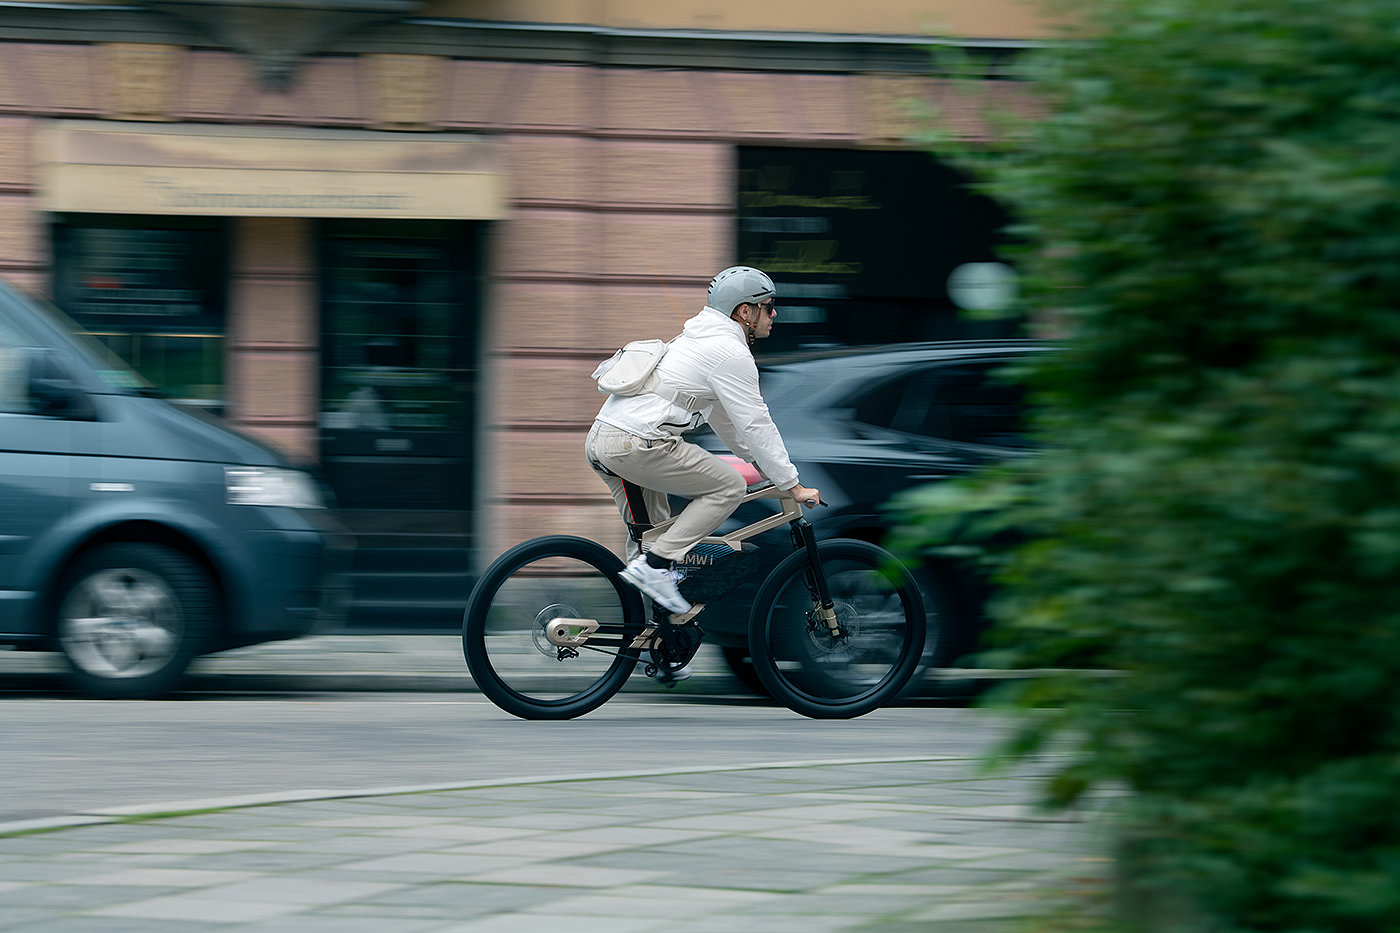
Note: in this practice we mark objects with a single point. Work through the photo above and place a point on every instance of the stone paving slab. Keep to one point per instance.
(804, 847)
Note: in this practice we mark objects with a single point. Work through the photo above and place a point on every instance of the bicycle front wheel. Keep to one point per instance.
(871, 654)
(549, 627)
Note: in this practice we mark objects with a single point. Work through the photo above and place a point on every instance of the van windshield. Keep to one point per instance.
(112, 370)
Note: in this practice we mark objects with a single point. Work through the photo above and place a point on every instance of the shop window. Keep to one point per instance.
(866, 247)
(153, 289)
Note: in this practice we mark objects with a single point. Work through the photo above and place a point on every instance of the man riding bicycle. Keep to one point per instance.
(635, 444)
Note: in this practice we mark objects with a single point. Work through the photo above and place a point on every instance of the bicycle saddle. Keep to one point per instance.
(747, 470)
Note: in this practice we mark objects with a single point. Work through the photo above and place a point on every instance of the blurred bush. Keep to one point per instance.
(1212, 211)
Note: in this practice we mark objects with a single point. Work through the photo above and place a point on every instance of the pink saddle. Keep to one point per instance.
(747, 470)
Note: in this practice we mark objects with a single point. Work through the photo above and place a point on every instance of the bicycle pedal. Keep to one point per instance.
(684, 617)
(669, 679)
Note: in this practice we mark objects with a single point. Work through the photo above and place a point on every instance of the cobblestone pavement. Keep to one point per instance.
(891, 845)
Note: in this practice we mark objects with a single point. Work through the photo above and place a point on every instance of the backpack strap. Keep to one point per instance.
(677, 397)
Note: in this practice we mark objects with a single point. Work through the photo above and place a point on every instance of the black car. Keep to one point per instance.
(866, 424)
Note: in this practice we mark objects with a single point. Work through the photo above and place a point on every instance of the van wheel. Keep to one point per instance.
(131, 617)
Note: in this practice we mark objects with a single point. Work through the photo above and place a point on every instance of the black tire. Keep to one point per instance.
(882, 620)
(741, 665)
(952, 633)
(503, 630)
(129, 618)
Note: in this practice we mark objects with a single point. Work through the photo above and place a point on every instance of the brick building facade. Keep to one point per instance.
(604, 162)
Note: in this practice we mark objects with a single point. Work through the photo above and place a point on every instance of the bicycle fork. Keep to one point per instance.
(822, 603)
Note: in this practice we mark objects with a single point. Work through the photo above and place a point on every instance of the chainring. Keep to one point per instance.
(676, 645)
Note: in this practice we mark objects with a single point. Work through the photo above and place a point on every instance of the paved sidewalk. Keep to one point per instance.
(889, 845)
(379, 663)
(360, 663)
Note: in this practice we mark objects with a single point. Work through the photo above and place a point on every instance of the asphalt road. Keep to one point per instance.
(365, 784)
(67, 755)
(348, 712)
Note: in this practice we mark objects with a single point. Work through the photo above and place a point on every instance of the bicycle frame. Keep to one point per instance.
(574, 633)
(803, 537)
(791, 512)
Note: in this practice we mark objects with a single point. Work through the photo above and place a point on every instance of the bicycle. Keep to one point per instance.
(551, 631)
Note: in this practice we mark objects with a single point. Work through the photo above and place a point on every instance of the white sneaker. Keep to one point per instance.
(657, 583)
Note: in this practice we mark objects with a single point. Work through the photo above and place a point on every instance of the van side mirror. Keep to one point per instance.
(51, 390)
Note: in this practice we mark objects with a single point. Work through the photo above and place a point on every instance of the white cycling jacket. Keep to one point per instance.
(711, 362)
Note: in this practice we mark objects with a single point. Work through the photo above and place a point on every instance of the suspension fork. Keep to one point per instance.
(804, 537)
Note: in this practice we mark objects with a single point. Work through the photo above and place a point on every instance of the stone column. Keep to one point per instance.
(274, 357)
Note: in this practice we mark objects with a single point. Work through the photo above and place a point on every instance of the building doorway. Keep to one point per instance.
(398, 342)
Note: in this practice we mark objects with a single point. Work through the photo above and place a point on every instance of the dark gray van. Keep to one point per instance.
(136, 534)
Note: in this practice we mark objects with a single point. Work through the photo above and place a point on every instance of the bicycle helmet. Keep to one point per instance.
(739, 285)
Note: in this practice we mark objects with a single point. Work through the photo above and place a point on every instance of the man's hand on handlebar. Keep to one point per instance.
(807, 495)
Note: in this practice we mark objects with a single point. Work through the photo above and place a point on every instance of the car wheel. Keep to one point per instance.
(131, 617)
(742, 666)
(951, 634)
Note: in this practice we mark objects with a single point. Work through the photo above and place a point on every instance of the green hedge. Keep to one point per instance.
(1212, 213)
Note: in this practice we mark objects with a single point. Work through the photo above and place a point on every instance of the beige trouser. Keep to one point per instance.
(673, 466)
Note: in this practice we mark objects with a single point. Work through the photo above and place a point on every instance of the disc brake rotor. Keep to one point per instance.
(820, 634)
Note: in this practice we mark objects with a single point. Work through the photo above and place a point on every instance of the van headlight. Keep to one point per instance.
(291, 489)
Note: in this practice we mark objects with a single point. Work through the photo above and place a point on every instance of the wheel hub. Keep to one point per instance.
(848, 624)
(120, 623)
(541, 631)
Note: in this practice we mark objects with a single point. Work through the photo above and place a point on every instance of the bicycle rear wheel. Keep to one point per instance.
(535, 596)
(871, 657)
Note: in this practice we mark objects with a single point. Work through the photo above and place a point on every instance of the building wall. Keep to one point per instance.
(622, 207)
(1002, 18)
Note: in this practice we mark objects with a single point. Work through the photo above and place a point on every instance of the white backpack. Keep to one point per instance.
(632, 371)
